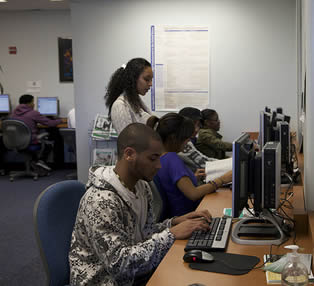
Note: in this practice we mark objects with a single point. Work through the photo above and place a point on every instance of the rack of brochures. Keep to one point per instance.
(102, 142)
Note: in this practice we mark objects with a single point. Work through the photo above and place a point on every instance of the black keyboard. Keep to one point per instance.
(216, 238)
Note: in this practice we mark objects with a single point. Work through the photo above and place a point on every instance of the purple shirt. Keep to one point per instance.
(31, 117)
(172, 170)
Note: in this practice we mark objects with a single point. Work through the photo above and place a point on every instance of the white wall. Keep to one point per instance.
(253, 55)
(35, 34)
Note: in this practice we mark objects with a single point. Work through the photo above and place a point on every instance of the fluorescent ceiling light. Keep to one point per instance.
(56, 0)
(3, 1)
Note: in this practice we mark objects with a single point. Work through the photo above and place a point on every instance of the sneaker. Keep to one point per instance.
(43, 165)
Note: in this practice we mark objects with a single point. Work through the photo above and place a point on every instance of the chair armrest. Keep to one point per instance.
(42, 135)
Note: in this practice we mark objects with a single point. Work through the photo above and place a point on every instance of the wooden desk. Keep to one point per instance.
(61, 125)
(173, 271)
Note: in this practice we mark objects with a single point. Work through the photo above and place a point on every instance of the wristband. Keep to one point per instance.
(214, 184)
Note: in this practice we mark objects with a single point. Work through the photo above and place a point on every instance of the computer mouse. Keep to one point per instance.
(197, 256)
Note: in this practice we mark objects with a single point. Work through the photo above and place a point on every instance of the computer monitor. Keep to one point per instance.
(4, 104)
(274, 126)
(242, 166)
(255, 179)
(48, 105)
(265, 128)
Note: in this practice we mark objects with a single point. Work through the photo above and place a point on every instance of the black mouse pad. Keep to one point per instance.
(228, 263)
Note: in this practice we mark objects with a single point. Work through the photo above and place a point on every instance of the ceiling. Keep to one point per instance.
(12, 5)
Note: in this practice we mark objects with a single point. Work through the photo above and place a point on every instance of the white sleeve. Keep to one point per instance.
(71, 118)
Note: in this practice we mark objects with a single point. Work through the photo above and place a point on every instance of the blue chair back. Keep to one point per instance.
(54, 216)
(165, 212)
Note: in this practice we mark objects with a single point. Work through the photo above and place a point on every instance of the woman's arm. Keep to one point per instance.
(193, 193)
(209, 139)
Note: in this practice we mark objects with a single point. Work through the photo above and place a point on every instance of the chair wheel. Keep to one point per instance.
(35, 178)
(11, 179)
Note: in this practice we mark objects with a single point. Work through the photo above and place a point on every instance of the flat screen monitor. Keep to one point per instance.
(282, 117)
(274, 126)
(248, 174)
(265, 128)
(48, 105)
(4, 103)
(242, 172)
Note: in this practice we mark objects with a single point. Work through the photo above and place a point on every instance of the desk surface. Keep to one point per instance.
(173, 271)
(61, 125)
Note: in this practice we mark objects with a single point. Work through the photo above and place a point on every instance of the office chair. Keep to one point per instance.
(54, 216)
(165, 209)
(157, 201)
(17, 137)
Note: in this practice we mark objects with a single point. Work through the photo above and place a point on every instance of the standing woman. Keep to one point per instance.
(123, 97)
(176, 180)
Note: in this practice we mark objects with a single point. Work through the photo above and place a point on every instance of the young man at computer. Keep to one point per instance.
(26, 113)
(115, 240)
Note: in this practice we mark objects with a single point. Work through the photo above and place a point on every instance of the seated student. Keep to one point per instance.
(175, 178)
(190, 155)
(115, 240)
(26, 113)
(209, 141)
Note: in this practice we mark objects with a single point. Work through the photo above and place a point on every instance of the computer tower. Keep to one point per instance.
(283, 136)
(271, 179)
(257, 182)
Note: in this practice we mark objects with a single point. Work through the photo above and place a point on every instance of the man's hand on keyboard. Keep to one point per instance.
(186, 224)
(184, 229)
(203, 214)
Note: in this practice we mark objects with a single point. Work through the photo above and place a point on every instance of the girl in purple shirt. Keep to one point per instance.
(176, 181)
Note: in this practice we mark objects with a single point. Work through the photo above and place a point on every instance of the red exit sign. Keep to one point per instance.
(12, 50)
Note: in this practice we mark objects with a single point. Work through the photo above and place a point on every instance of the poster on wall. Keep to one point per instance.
(65, 60)
(180, 57)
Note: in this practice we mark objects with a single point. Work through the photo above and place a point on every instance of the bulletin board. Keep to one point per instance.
(180, 57)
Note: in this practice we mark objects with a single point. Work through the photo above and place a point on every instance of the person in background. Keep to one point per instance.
(175, 178)
(71, 118)
(192, 157)
(209, 141)
(116, 240)
(26, 113)
(123, 97)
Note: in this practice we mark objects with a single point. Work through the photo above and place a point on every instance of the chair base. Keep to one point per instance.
(26, 173)
(15, 174)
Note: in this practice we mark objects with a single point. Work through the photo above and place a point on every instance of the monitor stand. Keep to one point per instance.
(262, 230)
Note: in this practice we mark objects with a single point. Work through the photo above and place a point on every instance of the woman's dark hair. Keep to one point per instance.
(125, 80)
(26, 99)
(191, 112)
(208, 113)
(173, 129)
